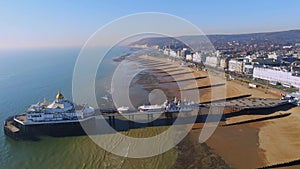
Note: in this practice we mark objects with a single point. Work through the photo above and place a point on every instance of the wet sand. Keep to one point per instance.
(192, 154)
(237, 145)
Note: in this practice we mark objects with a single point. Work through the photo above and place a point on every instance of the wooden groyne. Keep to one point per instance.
(227, 99)
(177, 74)
(284, 164)
(205, 87)
(182, 80)
(259, 119)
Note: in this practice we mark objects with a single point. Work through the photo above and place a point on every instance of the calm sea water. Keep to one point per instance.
(26, 77)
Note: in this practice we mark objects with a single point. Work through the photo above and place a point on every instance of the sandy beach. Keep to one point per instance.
(250, 145)
(280, 139)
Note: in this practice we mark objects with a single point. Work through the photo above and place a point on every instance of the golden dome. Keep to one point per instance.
(59, 95)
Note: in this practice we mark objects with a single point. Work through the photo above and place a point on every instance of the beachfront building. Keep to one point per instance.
(172, 53)
(224, 62)
(275, 74)
(197, 57)
(184, 52)
(248, 68)
(189, 57)
(212, 61)
(166, 51)
(236, 65)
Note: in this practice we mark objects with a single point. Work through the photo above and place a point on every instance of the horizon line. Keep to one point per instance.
(81, 44)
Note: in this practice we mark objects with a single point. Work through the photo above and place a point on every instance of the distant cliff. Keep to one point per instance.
(277, 38)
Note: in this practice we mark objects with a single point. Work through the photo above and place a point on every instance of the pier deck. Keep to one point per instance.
(243, 103)
(13, 124)
(247, 103)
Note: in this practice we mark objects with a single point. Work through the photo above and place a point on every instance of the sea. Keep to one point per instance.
(27, 76)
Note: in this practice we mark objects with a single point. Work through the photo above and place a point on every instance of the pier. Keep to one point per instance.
(137, 119)
(234, 104)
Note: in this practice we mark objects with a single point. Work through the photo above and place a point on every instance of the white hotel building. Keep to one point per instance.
(284, 77)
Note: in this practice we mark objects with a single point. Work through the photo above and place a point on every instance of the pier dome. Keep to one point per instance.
(59, 95)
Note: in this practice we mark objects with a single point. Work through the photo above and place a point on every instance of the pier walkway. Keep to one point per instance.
(148, 117)
(237, 105)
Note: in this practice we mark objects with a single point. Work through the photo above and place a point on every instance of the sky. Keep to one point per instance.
(35, 24)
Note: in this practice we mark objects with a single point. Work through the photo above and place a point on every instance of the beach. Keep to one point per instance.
(250, 145)
(280, 139)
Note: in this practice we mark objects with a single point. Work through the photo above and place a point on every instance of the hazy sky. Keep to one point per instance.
(71, 23)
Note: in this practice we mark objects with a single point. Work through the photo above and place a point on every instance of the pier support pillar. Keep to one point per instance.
(169, 118)
(131, 121)
(113, 122)
(109, 120)
(150, 119)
